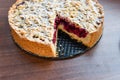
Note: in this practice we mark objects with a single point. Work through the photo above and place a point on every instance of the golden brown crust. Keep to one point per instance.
(34, 47)
(95, 36)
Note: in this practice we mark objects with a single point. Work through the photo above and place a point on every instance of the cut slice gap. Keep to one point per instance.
(68, 47)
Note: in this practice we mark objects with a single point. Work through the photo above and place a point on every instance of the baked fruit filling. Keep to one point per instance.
(69, 27)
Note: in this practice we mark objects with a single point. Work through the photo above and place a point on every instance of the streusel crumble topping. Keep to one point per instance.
(35, 19)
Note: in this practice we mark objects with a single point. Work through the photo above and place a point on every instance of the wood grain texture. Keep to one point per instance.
(100, 63)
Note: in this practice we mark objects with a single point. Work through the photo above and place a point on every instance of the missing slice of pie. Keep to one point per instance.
(35, 23)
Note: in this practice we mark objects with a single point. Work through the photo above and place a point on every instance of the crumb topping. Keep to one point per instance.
(34, 19)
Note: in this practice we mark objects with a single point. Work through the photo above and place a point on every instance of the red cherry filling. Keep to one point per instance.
(54, 38)
(69, 27)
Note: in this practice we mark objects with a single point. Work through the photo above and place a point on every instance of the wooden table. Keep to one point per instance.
(100, 63)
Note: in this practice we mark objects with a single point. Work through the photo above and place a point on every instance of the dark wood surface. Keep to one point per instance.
(100, 63)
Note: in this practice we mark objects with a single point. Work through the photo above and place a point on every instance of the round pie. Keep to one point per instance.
(35, 23)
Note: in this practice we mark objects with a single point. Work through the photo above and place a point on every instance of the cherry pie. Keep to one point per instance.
(35, 23)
